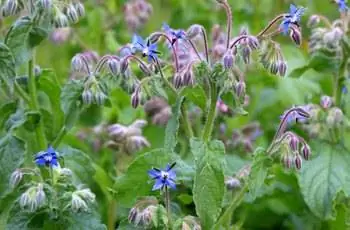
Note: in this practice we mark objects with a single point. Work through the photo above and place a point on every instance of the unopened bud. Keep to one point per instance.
(335, 117)
(326, 102)
(287, 161)
(240, 89)
(306, 151)
(87, 96)
(114, 66)
(61, 20)
(294, 143)
(188, 77)
(295, 35)
(154, 37)
(40, 195)
(9, 8)
(314, 20)
(45, 4)
(228, 59)
(282, 68)
(178, 80)
(77, 63)
(298, 161)
(79, 7)
(232, 183)
(124, 64)
(16, 178)
(100, 97)
(134, 216)
(193, 31)
(145, 69)
(274, 68)
(253, 42)
(78, 204)
(246, 54)
(135, 99)
(37, 71)
(72, 14)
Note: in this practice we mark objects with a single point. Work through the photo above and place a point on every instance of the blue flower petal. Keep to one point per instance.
(166, 27)
(50, 150)
(292, 9)
(154, 174)
(158, 185)
(170, 183)
(40, 161)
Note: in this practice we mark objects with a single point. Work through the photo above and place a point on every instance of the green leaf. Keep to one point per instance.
(28, 119)
(196, 95)
(136, 182)
(78, 162)
(172, 127)
(7, 64)
(70, 101)
(258, 174)
(6, 110)
(84, 220)
(48, 85)
(208, 189)
(12, 155)
(322, 178)
(22, 38)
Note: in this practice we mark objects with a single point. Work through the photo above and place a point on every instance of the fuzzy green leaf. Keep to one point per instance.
(172, 127)
(22, 37)
(70, 101)
(196, 95)
(12, 155)
(7, 64)
(6, 110)
(79, 163)
(324, 176)
(258, 174)
(208, 189)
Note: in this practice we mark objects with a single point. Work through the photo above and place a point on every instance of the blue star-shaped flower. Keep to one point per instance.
(175, 34)
(342, 5)
(292, 18)
(163, 178)
(148, 49)
(47, 158)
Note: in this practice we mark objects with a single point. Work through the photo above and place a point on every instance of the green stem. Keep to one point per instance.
(338, 79)
(225, 219)
(164, 78)
(208, 127)
(167, 205)
(21, 92)
(59, 137)
(186, 120)
(34, 105)
(111, 215)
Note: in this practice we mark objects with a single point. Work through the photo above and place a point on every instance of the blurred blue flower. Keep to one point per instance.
(163, 178)
(344, 90)
(47, 158)
(292, 18)
(148, 49)
(175, 34)
(342, 5)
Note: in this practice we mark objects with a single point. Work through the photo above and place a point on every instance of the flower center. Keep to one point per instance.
(145, 51)
(47, 158)
(164, 175)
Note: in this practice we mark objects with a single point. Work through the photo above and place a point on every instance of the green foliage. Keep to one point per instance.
(22, 37)
(12, 155)
(172, 127)
(208, 189)
(7, 64)
(324, 177)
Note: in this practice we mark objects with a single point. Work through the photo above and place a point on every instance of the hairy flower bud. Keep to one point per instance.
(240, 89)
(298, 161)
(295, 35)
(79, 7)
(154, 37)
(9, 8)
(253, 42)
(228, 59)
(232, 183)
(16, 178)
(314, 20)
(134, 216)
(124, 64)
(188, 77)
(294, 143)
(326, 102)
(193, 31)
(78, 204)
(335, 117)
(72, 14)
(282, 68)
(287, 161)
(246, 54)
(61, 20)
(145, 70)
(114, 66)
(45, 4)
(178, 80)
(100, 97)
(306, 151)
(87, 96)
(135, 99)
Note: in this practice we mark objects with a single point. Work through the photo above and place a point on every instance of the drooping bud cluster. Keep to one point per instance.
(81, 199)
(185, 77)
(33, 198)
(146, 212)
(247, 45)
(137, 13)
(326, 37)
(61, 13)
(127, 139)
(158, 110)
(272, 59)
(188, 223)
(95, 91)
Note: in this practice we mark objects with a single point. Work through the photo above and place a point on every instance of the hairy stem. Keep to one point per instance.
(239, 38)
(186, 120)
(34, 105)
(229, 22)
(59, 137)
(163, 77)
(338, 79)
(167, 204)
(208, 127)
(195, 49)
(205, 39)
(271, 23)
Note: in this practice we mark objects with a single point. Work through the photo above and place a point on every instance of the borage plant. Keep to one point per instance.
(190, 87)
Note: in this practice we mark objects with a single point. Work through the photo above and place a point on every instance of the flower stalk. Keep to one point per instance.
(209, 124)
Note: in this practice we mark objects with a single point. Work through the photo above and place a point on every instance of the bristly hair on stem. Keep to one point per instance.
(229, 20)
